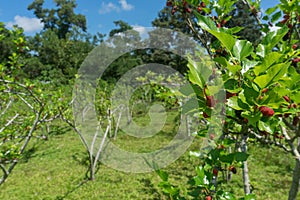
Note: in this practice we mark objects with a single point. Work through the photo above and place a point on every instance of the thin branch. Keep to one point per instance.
(23, 86)
(7, 106)
(9, 123)
(195, 32)
(288, 124)
(72, 125)
(101, 146)
(255, 14)
(289, 141)
(28, 104)
(266, 141)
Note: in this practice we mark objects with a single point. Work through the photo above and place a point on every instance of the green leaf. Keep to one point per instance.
(248, 64)
(263, 126)
(226, 39)
(233, 30)
(261, 50)
(195, 74)
(227, 158)
(205, 22)
(186, 90)
(266, 18)
(253, 118)
(269, 11)
(273, 38)
(163, 175)
(222, 61)
(240, 156)
(269, 59)
(225, 195)
(276, 16)
(201, 179)
(250, 197)
(232, 85)
(192, 105)
(193, 2)
(272, 75)
(242, 49)
(236, 103)
(250, 95)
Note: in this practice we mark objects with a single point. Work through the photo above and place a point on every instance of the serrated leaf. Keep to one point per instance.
(262, 126)
(269, 59)
(261, 50)
(194, 75)
(252, 118)
(205, 22)
(236, 103)
(226, 39)
(273, 38)
(272, 75)
(242, 49)
(248, 64)
(232, 85)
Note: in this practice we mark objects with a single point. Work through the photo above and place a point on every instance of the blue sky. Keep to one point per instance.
(100, 14)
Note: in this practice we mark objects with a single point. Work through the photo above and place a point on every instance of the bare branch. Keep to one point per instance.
(291, 144)
(28, 104)
(7, 106)
(9, 123)
(272, 142)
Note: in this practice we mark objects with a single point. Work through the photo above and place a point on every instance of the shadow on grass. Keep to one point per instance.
(59, 130)
(73, 189)
(29, 154)
(149, 188)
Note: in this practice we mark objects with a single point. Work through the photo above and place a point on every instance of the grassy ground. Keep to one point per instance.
(55, 169)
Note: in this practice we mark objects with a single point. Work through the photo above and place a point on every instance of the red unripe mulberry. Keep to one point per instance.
(295, 60)
(229, 94)
(266, 111)
(264, 90)
(188, 10)
(210, 102)
(208, 198)
(205, 115)
(294, 46)
(286, 98)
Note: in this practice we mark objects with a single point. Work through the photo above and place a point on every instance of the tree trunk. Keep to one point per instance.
(245, 168)
(296, 178)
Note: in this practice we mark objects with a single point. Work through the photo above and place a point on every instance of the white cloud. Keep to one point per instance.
(142, 30)
(28, 24)
(125, 5)
(110, 7)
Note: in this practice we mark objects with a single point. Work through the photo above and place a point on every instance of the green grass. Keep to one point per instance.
(55, 169)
